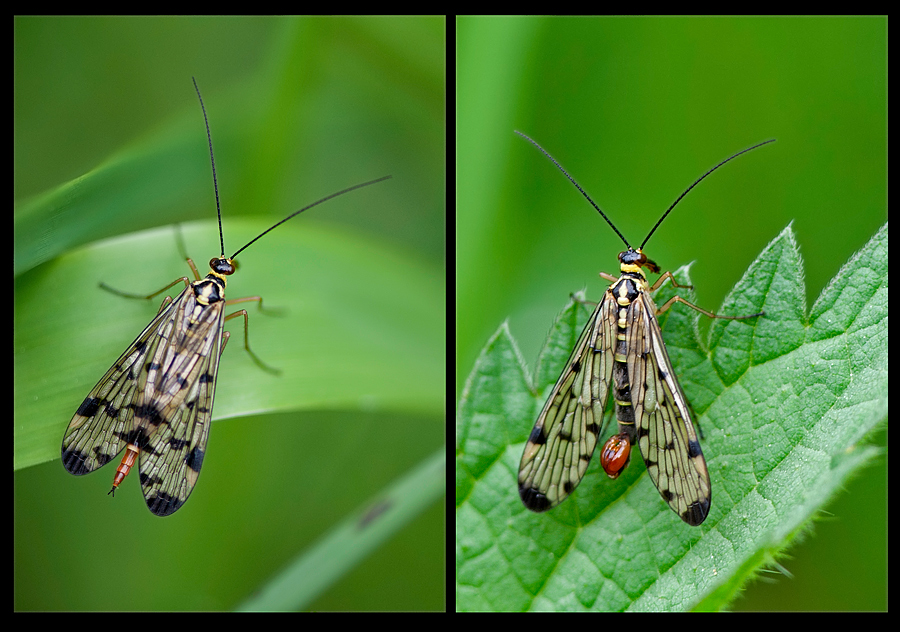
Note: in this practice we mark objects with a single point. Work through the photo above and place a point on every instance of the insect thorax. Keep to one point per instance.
(209, 290)
(629, 286)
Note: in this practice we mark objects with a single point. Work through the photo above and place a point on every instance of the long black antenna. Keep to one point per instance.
(572, 180)
(744, 151)
(213, 160)
(316, 203)
(216, 187)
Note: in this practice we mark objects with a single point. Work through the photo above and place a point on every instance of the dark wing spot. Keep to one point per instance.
(696, 513)
(694, 449)
(74, 462)
(163, 504)
(533, 499)
(194, 459)
(89, 407)
(537, 436)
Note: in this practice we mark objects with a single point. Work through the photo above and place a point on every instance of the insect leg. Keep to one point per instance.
(668, 275)
(243, 312)
(677, 299)
(184, 280)
(147, 297)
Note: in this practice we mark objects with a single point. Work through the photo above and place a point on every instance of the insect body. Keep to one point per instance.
(156, 400)
(620, 350)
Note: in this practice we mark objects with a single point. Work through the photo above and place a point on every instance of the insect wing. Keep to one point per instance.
(182, 392)
(158, 396)
(666, 435)
(102, 425)
(563, 439)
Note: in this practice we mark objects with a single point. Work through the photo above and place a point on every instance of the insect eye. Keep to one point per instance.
(221, 266)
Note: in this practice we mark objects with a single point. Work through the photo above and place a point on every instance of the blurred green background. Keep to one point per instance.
(109, 141)
(636, 109)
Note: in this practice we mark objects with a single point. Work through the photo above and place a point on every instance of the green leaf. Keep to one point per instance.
(785, 402)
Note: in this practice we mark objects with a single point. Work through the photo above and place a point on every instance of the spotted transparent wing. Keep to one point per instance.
(563, 439)
(665, 432)
(102, 426)
(157, 396)
(182, 390)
